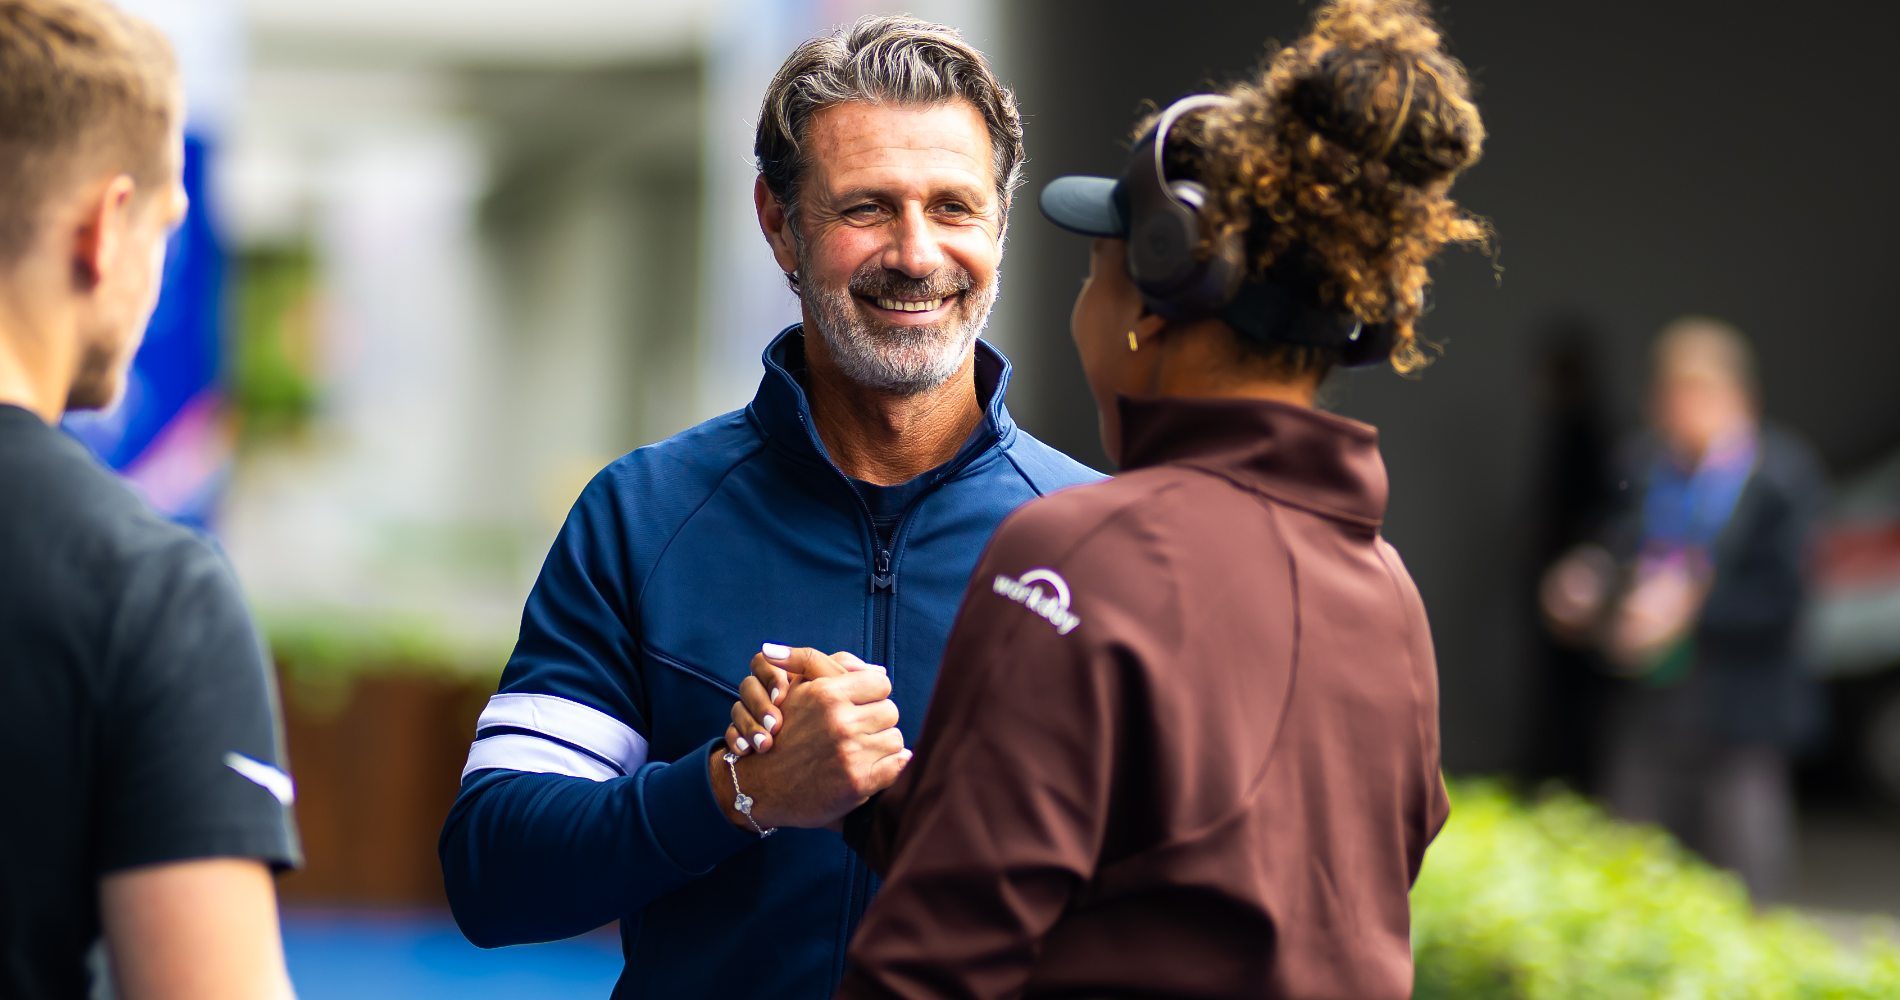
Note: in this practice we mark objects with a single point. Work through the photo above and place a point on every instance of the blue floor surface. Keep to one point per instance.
(373, 955)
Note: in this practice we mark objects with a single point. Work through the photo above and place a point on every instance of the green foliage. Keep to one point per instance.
(1552, 899)
(272, 374)
(337, 646)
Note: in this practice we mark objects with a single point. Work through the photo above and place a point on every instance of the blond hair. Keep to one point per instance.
(83, 87)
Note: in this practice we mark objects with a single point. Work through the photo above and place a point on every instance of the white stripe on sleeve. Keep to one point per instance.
(517, 752)
(570, 722)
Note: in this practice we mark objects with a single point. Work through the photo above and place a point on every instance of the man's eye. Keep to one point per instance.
(954, 208)
(864, 211)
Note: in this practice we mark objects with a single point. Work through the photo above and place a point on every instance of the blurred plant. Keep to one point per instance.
(1553, 899)
(320, 648)
(272, 372)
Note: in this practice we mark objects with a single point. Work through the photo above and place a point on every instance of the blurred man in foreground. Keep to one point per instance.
(141, 742)
(1696, 603)
(844, 508)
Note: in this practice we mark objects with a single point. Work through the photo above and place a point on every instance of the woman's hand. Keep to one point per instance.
(755, 716)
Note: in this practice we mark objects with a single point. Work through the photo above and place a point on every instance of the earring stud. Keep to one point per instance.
(1132, 345)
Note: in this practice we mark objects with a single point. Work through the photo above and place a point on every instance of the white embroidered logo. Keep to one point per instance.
(1051, 603)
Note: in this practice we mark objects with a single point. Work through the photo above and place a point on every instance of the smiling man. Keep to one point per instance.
(843, 509)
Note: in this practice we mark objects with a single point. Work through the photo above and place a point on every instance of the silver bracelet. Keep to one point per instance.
(741, 801)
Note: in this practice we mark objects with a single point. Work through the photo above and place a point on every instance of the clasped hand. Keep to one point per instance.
(817, 735)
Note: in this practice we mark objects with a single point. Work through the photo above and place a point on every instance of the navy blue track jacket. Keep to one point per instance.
(586, 796)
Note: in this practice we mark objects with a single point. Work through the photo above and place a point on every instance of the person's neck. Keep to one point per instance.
(31, 376)
(1198, 361)
(884, 438)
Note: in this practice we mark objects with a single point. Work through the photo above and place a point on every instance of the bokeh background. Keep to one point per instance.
(449, 257)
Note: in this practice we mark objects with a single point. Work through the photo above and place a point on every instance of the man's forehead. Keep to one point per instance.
(863, 142)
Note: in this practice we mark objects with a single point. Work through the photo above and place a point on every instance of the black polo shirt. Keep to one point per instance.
(141, 721)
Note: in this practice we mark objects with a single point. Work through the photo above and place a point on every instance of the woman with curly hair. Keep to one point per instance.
(1185, 741)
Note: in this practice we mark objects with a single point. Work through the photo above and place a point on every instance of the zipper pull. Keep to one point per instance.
(883, 579)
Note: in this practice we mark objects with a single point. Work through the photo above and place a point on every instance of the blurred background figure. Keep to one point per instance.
(1696, 602)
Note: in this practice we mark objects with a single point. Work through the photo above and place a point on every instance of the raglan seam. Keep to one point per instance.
(718, 484)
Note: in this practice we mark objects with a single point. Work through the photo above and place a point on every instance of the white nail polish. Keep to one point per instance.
(775, 696)
(770, 723)
(775, 651)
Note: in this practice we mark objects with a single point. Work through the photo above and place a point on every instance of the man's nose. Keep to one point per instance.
(914, 249)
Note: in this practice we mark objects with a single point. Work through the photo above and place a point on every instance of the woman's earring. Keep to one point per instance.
(1132, 345)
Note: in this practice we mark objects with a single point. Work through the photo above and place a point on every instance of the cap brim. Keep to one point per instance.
(1084, 205)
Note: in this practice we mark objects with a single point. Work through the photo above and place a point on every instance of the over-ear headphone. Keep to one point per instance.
(1177, 283)
(1164, 232)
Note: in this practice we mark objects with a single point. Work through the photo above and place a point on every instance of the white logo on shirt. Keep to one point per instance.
(263, 775)
(1051, 603)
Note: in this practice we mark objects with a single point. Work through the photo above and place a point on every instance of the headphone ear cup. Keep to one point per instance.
(1206, 286)
(1161, 252)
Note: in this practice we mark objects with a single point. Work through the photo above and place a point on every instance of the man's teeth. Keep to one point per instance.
(899, 305)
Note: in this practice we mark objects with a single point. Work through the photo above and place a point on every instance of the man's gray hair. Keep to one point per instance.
(891, 58)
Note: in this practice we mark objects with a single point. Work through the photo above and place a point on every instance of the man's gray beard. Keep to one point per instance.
(901, 360)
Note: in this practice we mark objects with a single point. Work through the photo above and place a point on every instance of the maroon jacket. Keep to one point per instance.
(1185, 738)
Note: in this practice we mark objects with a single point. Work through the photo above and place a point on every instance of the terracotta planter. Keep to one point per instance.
(377, 760)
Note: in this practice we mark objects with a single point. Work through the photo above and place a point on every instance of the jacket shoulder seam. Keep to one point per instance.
(639, 598)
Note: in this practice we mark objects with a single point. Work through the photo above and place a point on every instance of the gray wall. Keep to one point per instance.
(1646, 159)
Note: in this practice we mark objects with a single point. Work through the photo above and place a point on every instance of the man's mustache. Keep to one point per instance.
(876, 282)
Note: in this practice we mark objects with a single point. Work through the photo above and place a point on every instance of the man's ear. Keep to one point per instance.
(776, 226)
(100, 231)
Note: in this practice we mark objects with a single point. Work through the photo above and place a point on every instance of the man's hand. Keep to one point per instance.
(836, 745)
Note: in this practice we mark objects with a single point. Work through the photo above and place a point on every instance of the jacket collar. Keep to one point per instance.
(1316, 461)
(782, 410)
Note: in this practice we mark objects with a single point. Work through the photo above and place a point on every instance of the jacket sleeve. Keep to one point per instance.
(1001, 817)
(1762, 585)
(563, 823)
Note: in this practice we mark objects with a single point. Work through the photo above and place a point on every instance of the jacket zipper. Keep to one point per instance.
(883, 587)
(882, 594)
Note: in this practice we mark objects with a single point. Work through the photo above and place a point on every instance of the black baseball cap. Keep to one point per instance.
(1089, 206)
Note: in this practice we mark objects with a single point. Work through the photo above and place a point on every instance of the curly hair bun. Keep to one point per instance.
(1373, 76)
(1342, 153)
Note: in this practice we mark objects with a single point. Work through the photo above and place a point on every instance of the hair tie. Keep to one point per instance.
(1398, 124)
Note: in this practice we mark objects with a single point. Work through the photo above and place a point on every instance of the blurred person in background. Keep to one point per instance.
(1186, 738)
(1695, 602)
(142, 743)
(846, 505)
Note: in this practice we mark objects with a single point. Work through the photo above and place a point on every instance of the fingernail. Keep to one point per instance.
(775, 696)
(776, 651)
(758, 740)
(904, 753)
(744, 748)
(866, 666)
(770, 723)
